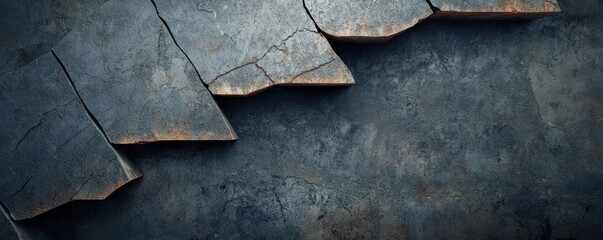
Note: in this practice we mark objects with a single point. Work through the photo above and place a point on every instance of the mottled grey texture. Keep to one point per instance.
(29, 28)
(377, 20)
(135, 80)
(51, 152)
(495, 9)
(442, 137)
(233, 43)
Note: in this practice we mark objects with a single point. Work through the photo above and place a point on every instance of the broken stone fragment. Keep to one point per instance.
(135, 80)
(52, 153)
(363, 21)
(495, 9)
(29, 28)
(242, 47)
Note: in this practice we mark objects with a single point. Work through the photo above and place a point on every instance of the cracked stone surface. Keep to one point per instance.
(242, 47)
(135, 81)
(454, 130)
(367, 20)
(29, 28)
(495, 9)
(52, 153)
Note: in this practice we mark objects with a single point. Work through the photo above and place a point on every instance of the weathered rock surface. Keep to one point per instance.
(52, 153)
(378, 20)
(440, 138)
(241, 47)
(135, 81)
(495, 9)
(29, 28)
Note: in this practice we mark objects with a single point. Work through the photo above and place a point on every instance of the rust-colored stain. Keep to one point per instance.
(178, 133)
(364, 32)
(509, 7)
(507, 10)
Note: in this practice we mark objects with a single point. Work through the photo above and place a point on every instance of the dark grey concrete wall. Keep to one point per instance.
(454, 130)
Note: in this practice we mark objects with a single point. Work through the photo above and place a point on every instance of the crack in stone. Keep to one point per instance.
(80, 188)
(311, 70)
(31, 129)
(310, 16)
(292, 35)
(77, 94)
(22, 187)
(347, 210)
(130, 171)
(255, 62)
(302, 180)
(164, 23)
(56, 152)
(264, 72)
(38, 123)
(278, 47)
(280, 205)
(232, 70)
(204, 10)
(433, 8)
(206, 85)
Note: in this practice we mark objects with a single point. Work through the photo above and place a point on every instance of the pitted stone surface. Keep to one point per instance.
(136, 82)
(378, 20)
(495, 9)
(29, 28)
(52, 153)
(234, 43)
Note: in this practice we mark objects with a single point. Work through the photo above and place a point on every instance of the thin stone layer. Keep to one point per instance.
(495, 9)
(52, 152)
(242, 47)
(135, 80)
(364, 21)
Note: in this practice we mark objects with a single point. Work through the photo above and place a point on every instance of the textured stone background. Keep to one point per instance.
(454, 130)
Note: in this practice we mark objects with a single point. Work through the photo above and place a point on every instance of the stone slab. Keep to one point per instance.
(52, 153)
(495, 9)
(242, 47)
(29, 28)
(135, 81)
(366, 21)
